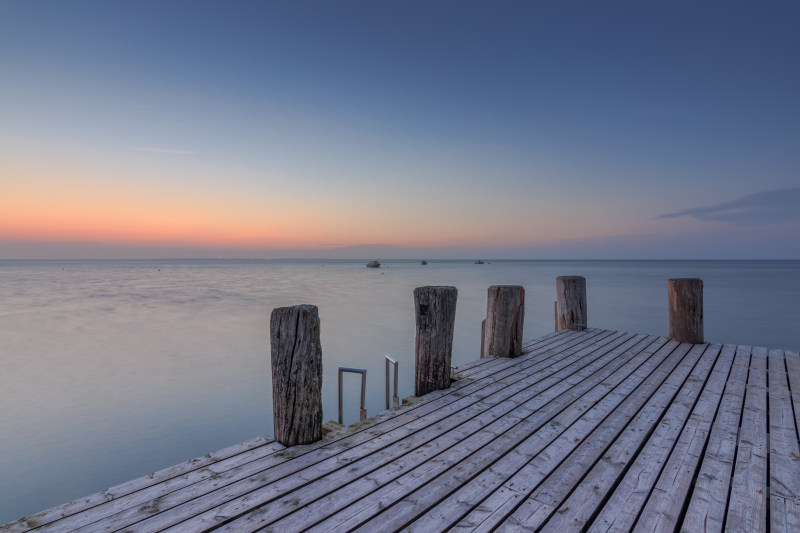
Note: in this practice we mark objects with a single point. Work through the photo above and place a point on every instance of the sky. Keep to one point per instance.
(415, 129)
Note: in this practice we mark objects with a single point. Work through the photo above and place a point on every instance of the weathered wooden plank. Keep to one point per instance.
(635, 486)
(252, 448)
(572, 425)
(476, 429)
(709, 498)
(463, 371)
(663, 508)
(547, 348)
(233, 488)
(467, 370)
(576, 510)
(531, 344)
(550, 429)
(565, 473)
(98, 517)
(463, 458)
(783, 514)
(413, 504)
(747, 508)
(643, 464)
(219, 479)
(542, 356)
(784, 451)
(553, 349)
(792, 361)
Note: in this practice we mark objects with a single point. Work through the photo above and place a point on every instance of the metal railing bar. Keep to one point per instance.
(395, 399)
(363, 372)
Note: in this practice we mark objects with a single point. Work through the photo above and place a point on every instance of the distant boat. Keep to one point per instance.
(373, 264)
(423, 262)
(478, 262)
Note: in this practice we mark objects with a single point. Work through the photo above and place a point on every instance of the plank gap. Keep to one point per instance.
(736, 449)
(683, 425)
(699, 466)
(581, 354)
(599, 353)
(664, 361)
(791, 403)
(635, 366)
(769, 446)
(599, 508)
(633, 455)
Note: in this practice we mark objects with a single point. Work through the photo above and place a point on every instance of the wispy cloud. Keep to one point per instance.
(781, 205)
(161, 150)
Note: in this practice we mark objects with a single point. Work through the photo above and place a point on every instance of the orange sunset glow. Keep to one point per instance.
(308, 133)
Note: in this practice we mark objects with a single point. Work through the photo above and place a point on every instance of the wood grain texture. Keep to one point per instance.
(139, 491)
(505, 315)
(571, 310)
(784, 451)
(709, 499)
(296, 374)
(609, 472)
(747, 505)
(662, 510)
(685, 296)
(435, 309)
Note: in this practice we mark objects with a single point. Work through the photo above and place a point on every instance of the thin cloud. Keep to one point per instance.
(161, 150)
(781, 205)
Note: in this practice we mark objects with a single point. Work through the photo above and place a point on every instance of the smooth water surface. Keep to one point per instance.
(114, 369)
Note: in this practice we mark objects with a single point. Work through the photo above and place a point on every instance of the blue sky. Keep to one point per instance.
(436, 129)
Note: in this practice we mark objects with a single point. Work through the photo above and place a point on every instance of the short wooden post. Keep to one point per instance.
(505, 314)
(296, 374)
(685, 309)
(571, 303)
(436, 317)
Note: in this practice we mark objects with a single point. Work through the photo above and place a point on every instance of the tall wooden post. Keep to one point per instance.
(685, 309)
(505, 314)
(296, 374)
(435, 309)
(571, 303)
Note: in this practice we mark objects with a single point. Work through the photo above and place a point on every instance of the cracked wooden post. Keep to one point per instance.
(435, 309)
(505, 314)
(685, 309)
(296, 374)
(571, 303)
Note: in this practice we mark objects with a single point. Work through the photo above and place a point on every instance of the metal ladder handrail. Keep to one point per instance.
(363, 372)
(395, 398)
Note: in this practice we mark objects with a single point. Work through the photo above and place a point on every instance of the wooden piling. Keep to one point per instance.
(505, 314)
(435, 309)
(296, 374)
(685, 309)
(571, 303)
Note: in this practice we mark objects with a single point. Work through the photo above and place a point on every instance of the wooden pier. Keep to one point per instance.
(589, 430)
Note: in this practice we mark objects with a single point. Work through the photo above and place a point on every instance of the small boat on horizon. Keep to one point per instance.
(373, 264)
(423, 262)
(478, 262)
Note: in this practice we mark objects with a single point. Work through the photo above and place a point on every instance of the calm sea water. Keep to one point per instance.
(114, 369)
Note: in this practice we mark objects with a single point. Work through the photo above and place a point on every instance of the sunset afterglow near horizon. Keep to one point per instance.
(363, 129)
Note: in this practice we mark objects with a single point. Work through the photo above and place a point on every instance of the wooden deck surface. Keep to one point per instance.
(594, 430)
